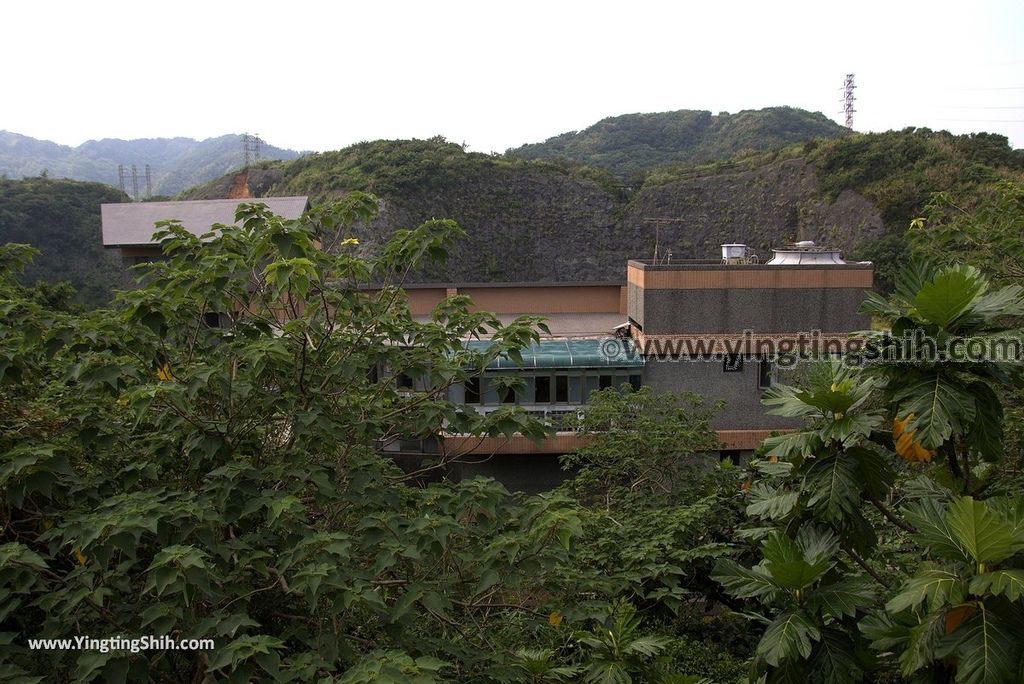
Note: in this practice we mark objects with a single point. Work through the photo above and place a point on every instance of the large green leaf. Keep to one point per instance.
(790, 565)
(985, 434)
(939, 407)
(928, 516)
(790, 636)
(792, 445)
(771, 503)
(835, 658)
(936, 586)
(743, 582)
(783, 400)
(1008, 582)
(987, 648)
(949, 295)
(912, 278)
(980, 531)
(843, 598)
(833, 486)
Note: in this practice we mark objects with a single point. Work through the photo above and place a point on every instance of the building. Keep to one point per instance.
(712, 327)
(129, 227)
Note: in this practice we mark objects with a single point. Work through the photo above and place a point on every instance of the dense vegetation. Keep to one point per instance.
(62, 220)
(159, 476)
(633, 144)
(175, 163)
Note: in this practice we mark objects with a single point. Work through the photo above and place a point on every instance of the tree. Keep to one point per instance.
(162, 476)
(958, 618)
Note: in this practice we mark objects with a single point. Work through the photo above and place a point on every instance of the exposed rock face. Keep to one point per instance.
(529, 224)
(526, 227)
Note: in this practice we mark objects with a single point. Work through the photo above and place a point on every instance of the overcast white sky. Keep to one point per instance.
(320, 75)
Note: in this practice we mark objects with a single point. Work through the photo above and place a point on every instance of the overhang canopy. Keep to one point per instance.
(568, 353)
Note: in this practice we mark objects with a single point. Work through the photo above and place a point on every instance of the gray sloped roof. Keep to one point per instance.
(131, 224)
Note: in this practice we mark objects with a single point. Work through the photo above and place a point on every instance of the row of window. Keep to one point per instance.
(559, 387)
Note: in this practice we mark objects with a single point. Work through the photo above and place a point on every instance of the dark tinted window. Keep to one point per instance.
(473, 390)
(542, 389)
(562, 389)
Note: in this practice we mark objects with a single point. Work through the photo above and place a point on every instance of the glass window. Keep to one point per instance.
(634, 382)
(764, 373)
(542, 389)
(403, 381)
(562, 389)
(473, 390)
(575, 389)
(604, 381)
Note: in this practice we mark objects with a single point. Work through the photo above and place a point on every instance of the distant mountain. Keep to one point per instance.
(175, 163)
(631, 144)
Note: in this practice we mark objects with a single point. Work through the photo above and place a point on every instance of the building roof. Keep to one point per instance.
(569, 353)
(130, 224)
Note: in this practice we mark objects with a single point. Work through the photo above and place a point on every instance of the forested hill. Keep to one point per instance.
(530, 220)
(61, 218)
(631, 144)
(175, 163)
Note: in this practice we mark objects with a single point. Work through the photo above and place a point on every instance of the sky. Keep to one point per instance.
(494, 75)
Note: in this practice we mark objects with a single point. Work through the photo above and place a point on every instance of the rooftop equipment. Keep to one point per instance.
(737, 253)
(805, 252)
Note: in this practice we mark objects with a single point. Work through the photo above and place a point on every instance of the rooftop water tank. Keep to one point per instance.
(734, 250)
(805, 252)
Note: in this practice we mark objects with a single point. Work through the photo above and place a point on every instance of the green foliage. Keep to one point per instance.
(639, 444)
(987, 235)
(633, 144)
(163, 476)
(961, 607)
(959, 615)
(900, 170)
(61, 219)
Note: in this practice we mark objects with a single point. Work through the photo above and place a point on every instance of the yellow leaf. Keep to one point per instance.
(555, 618)
(164, 372)
(906, 447)
(79, 557)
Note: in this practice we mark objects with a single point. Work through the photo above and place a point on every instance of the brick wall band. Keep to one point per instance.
(747, 277)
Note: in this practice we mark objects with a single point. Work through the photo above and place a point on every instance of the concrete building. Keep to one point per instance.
(128, 227)
(712, 327)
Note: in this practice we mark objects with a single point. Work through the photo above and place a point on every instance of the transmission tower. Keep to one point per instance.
(123, 173)
(251, 145)
(135, 182)
(848, 98)
(121, 177)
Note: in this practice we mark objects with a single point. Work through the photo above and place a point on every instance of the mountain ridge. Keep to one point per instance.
(176, 163)
(629, 145)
